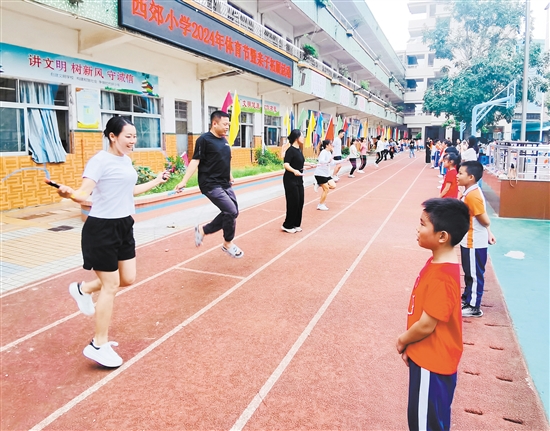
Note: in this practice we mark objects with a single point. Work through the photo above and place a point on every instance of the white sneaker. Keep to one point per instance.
(104, 354)
(376, 165)
(298, 229)
(284, 229)
(315, 187)
(322, 207)
(83, 300)
(440, 176)
(351, 176)
(361, 172)
(440, 181)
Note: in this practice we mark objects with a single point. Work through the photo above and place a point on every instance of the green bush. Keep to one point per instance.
(145, 174)
(345, 151)
(267, 158)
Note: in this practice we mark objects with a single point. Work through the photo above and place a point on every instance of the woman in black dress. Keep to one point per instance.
(294, 183)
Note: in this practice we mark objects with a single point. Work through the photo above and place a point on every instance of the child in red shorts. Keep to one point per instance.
(432, 345)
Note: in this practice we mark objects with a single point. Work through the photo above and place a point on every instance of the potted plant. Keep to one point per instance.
(343, 70)
(365, 85)
(309, 51)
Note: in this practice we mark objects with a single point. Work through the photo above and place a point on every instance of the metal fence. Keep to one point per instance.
(525, 161)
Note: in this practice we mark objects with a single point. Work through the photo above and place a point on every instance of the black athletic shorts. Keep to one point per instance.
(322, 180)
(105, 242)
(337, 158)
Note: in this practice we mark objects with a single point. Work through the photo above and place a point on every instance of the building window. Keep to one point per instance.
(142, 111)
(34, 119)
(272, 130)
(181, 126)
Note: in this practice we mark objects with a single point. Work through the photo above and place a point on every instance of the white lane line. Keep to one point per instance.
(99, 384)
(127, 289)
(268, 385)
(78, 268)
(33, 284)
(121, 292)
(211, 273)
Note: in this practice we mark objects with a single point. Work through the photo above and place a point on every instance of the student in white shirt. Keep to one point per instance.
(108, 245)
(337, 153)
(322, 173)
(353, 156)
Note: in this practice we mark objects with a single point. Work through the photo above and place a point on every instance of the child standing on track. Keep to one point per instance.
(432, 345)
(473, 247)
(108, 245)
(449, 188)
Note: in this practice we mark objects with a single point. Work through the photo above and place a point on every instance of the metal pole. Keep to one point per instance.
(541, 114)
(525, 70)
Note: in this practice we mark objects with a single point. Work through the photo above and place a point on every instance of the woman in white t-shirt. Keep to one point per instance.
(108, 245)
(322, 173)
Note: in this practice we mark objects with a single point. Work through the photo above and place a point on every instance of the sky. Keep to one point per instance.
(393, 17)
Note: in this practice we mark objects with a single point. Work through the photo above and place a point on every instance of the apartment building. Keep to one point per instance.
(67, 66)
(422, 68)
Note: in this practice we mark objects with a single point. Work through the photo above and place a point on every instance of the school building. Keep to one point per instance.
(67, 66)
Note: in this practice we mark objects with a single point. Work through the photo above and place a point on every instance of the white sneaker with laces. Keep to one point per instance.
(83, 300)
(284, 229)
(104, 354)
(315, 187)
(322, 207)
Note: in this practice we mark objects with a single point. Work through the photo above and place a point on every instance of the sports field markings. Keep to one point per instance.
(211, 273)
(270, 382)
(99, 384)
(139, 283)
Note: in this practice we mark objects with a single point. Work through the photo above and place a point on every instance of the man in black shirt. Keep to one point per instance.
(212, 158)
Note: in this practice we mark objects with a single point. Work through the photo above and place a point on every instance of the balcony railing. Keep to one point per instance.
(223, 9)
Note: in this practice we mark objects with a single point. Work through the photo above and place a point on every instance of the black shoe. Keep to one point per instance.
(470, 311)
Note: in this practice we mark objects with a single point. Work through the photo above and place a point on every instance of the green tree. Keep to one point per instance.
(483, 43)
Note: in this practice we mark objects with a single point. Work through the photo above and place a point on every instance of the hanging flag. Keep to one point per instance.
(309, 134)
(286, 122)
(301, 119)
(346, 125)
(319, 126)
(234, 125)
(360, 130)
(388, 133)
(330, 130)
(291, 120)
(227, 102)
(185, 158)
(339, 124)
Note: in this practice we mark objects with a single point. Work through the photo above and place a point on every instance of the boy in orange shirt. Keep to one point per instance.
(432, 345)
(449, 188)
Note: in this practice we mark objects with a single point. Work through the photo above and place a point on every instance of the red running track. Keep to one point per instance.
(298, 335)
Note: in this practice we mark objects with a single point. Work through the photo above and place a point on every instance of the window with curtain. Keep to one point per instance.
(142, 111)
(34, 120)
(181, 126)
